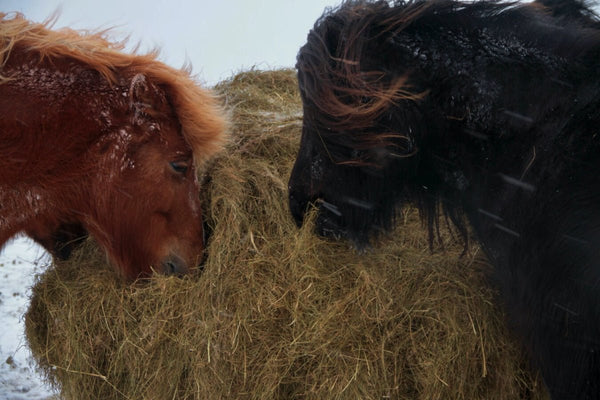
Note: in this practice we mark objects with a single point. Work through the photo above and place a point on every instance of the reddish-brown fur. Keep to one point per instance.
(96, 140)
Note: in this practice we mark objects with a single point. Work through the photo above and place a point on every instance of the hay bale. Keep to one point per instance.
(277, 313)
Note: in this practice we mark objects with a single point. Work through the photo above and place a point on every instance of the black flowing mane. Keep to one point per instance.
(488, 111)
(370, 98)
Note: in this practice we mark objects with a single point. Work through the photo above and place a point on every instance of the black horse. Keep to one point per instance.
(485, 114)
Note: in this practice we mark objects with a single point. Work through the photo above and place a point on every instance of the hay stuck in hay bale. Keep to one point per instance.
(277, 312)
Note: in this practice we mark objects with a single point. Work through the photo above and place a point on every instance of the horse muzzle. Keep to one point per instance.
(174, 265)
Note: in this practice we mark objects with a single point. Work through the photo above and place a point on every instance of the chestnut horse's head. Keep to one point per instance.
(146, 210)
(101, 141)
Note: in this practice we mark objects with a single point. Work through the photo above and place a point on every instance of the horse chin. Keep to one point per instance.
(329, 229)
(359, 233)
(332, 226)
(330, 222)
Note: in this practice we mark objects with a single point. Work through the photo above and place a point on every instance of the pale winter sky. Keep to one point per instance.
(219, 37)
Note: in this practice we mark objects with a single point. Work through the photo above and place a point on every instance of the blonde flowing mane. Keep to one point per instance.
(198, 110)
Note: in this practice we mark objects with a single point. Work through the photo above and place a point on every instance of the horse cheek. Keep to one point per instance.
(301, 184)
(180, 226)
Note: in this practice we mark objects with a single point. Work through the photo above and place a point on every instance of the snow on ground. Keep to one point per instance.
(20, 260)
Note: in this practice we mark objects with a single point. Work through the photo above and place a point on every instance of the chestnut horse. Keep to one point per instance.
(484, 114)
(96, 140)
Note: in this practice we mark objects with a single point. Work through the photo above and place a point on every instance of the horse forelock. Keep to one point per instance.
(198, 110)
(348, 99)
(202, 119)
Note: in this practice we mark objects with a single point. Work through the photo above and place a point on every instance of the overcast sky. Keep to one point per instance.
(219, 37)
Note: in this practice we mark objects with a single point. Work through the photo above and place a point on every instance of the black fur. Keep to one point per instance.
(488, 111)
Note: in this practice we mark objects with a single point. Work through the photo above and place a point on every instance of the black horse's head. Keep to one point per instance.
(361, 124)
(420, 101)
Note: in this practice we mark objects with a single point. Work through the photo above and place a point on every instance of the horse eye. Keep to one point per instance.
(181, 167)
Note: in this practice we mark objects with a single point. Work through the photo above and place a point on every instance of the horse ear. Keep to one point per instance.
(140, 98)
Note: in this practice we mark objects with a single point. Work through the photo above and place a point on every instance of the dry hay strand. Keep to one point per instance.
(277, 312)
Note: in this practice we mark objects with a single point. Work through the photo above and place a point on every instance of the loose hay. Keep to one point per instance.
(277, 313)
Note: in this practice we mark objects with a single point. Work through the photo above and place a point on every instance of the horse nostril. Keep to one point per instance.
(174, 265)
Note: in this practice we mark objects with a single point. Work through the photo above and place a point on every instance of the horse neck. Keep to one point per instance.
(55, 112)
(495, 93)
